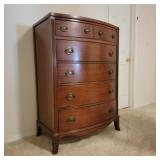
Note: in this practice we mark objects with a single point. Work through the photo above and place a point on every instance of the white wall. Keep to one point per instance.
(144, 83)
(20, 94)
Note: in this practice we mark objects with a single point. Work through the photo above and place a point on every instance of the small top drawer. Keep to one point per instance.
(106, 34)
(74, 29)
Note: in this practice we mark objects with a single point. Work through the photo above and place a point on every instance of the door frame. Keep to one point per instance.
(133, 36)
(132, 50)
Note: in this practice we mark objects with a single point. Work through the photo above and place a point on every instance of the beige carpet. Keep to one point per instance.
(136, 138)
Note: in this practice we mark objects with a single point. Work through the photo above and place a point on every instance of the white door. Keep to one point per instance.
(119, 15)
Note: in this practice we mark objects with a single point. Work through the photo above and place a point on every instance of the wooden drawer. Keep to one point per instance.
(74, 29)
(87, 116)
(70, 73)
(106, 34)
(85, 51)
(87, 93)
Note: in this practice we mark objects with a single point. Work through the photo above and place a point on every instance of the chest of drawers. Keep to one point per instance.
(76, 75)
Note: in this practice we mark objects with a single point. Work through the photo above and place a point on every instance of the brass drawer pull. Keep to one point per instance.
(100, 33)
(110, 71)
(110, 110)
(86, 30)
(110, 91)
(70, 96)
(113, 36)
(69, 73)
(71, 119)
(63, 28)
(69, 51)
(110, 53)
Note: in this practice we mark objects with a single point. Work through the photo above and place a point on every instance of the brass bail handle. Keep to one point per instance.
(69, 51)
(113, 36)
(86, 30)
(71, 119)
(69, 73)
(100, 33)
(110, 91)
(70, 96)
(110, 53)
(63, 28)
(110, 110)
(110, 71)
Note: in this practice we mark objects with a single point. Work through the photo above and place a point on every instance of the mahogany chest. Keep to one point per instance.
(76, 75)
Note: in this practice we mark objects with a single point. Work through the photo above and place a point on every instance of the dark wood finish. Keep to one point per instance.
(106, 34)
(61, 16)
(117, 68)
(85, 51)
(76, 61)
(39, 130)
(86, 116)
(55, 144)
(86, 93)
(79, 39)
(88, 130)
(44, 73)
(116, 124)
(77, 132)
(73, 29)
(70, 73)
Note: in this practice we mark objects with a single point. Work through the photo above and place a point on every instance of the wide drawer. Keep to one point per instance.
(86, 93)
(103, 33)
(85, 51)
(70, 73)
(86, 116)
(74, 29)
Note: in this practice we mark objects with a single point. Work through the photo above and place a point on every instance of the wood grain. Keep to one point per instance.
(44, 74)
(74, 29)
(76, 60)
(85, 51)
(87, 93)
(86, 116)
(106, 34)
(72, 73)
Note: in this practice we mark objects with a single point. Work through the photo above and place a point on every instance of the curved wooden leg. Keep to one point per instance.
(55, 144)
(39, 131)
(116, 124)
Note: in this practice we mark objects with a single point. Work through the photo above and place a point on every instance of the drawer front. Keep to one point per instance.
(106, 34)
(70, 73)
(74, 29)
(74, 95)
(85, 51)
(87, 116)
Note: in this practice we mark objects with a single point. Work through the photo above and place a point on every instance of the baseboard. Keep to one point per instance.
(17, 136)
(142, 105)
